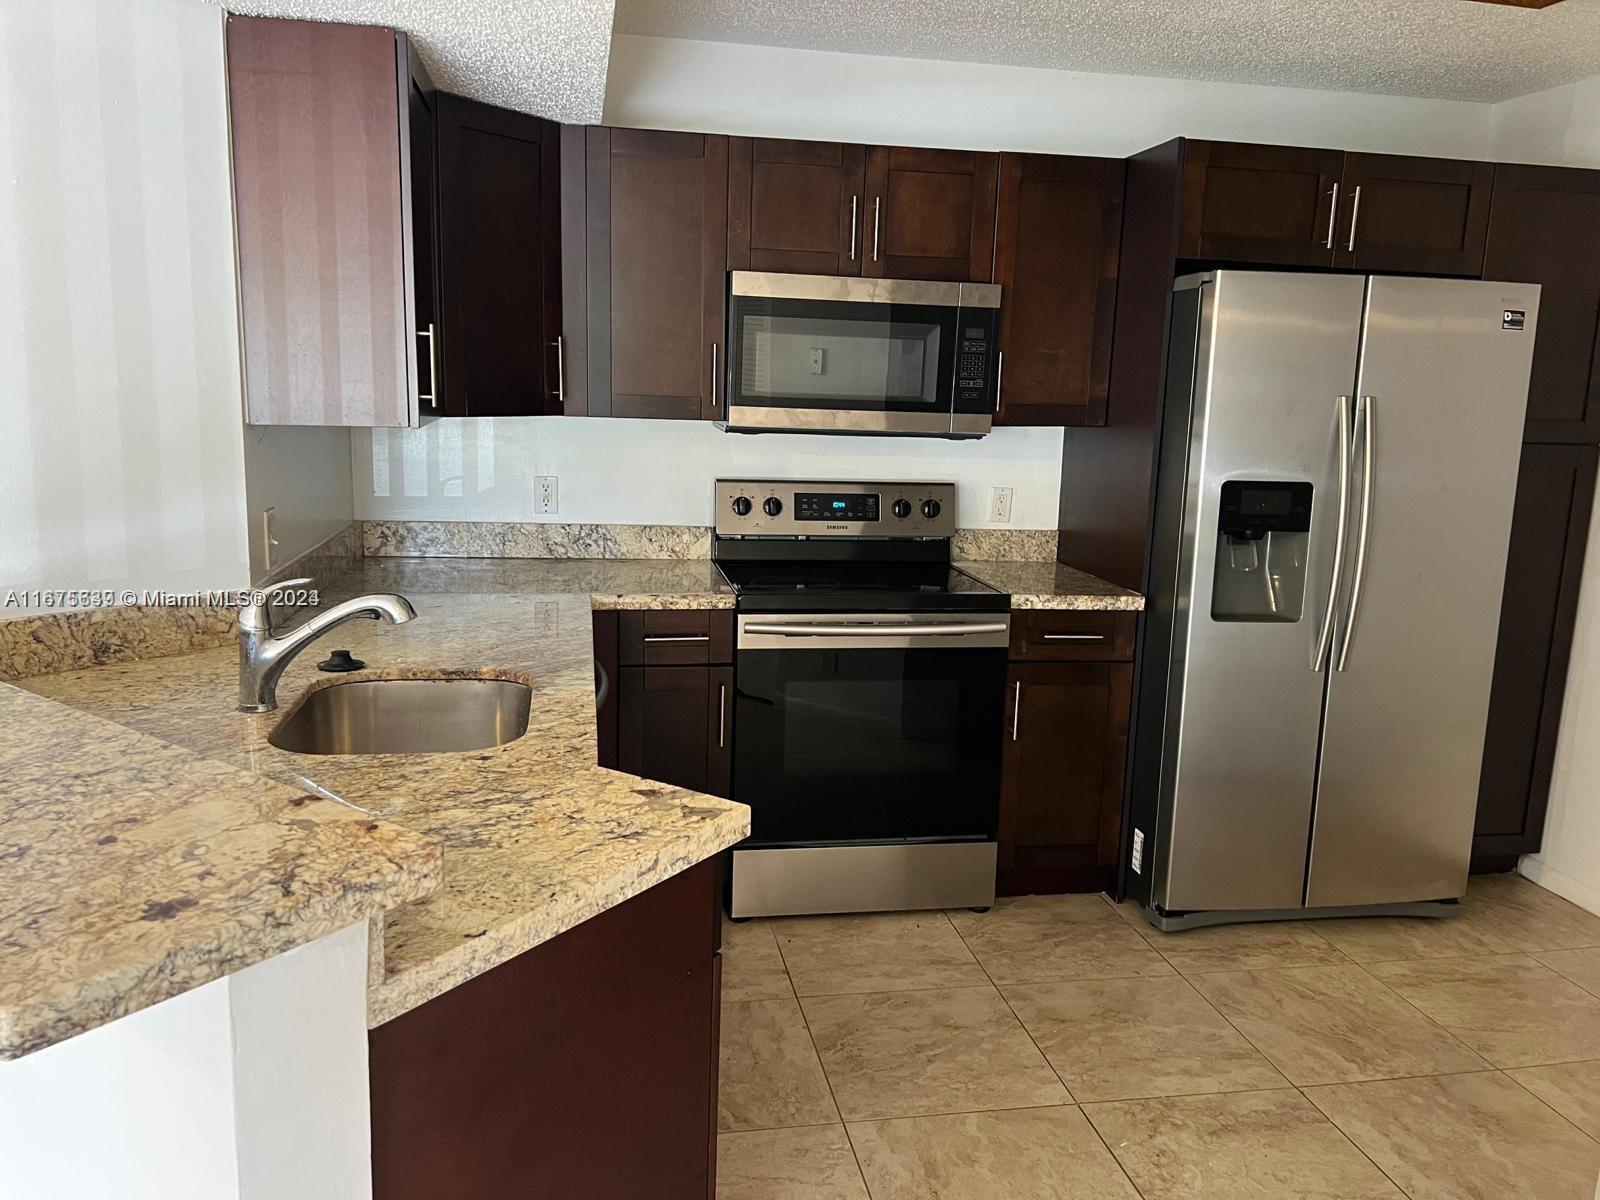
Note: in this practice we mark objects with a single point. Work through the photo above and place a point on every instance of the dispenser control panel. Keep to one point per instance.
(1251, 508)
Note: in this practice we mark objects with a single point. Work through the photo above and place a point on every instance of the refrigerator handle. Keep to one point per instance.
(1364, 418)
(1319, 656)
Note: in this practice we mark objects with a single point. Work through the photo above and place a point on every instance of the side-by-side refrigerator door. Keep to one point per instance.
(1440, 399)
(1273, 371)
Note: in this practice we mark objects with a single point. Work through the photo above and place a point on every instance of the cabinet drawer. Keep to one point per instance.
(1068, 635)
(675, 637)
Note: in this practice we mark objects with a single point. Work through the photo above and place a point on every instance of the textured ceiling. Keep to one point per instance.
(540, 56)
(1442, 48)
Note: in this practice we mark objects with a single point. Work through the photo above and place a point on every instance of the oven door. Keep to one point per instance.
(829, 354)
(869, 727)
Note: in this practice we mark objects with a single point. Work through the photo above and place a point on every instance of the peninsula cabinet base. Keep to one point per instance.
(584, 1069)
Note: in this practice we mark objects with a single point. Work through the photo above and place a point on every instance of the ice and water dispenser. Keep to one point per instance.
(1263, 530)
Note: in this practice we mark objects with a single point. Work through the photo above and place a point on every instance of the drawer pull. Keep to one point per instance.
(683, 637)
(1074, 637)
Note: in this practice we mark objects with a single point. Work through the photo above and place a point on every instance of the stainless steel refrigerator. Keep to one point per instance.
(1337, 462)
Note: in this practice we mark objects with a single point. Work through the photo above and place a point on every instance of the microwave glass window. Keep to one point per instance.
(843, 361)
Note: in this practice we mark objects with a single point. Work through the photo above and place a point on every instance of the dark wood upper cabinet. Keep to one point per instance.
(1258, 204)
(1549, 530)
(1057, 234)
(1061, 785)
(929, 214)
(422, 169)
(650, 273)
(795, 206)
(499, 223)
(319, 113)
(1429, 216)
(1544, 228)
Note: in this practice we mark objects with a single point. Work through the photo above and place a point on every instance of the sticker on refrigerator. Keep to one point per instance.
(1138, 851)
(1514, 318)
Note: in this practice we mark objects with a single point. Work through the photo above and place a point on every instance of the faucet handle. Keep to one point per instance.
(256, 614)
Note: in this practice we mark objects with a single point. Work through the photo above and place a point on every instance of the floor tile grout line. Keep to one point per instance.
(1038, 1049)
(1534, 954)
(826, 1078)
(1357, 1146)
(1428, 1017)
(1507, 1073)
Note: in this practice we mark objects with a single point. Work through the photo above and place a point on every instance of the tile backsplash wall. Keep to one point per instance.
(625, 472)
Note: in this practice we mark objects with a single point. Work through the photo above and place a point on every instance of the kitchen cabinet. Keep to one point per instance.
(1066, 743)
(1549, 530)
(795, 206)
(1057, 237)
(332, 296)
(521, 1082)
(1297, 207)
(929, 214)
(647, 270)
(422, 130)
(1545, 228)
(665, 696)
(499, 237)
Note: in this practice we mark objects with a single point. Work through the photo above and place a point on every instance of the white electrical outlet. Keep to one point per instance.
(1000, 506)
(544, 494)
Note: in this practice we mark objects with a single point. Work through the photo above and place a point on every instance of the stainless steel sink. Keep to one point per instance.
(406, 716)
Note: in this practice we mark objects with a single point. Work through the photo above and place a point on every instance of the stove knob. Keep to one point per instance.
(741, 505)
(772, 506)
(902, 509)
(930, 509)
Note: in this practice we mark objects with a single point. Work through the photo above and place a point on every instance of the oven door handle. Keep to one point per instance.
(889, 629)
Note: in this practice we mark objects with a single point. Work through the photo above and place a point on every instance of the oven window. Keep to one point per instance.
(835, 354)
(868, 745)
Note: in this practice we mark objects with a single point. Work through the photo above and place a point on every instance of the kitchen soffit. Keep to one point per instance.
(1447, 49)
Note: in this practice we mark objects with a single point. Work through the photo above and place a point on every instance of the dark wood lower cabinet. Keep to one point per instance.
(1061, 791)
(584, 1069)
(1550, 526)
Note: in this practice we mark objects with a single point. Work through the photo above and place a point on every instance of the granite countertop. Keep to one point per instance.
(536, 838)
(1053, 585)
(134, 870)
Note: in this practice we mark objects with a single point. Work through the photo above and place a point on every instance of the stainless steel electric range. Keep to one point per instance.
(869, 694)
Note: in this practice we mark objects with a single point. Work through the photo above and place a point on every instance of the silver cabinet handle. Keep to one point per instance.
(713, 374)
(722, 715)
(1364, 415)
(1320, 655)
(877, 207)
(1355, 212)
(853, 200)
(1333, 217)
(999, 379)
(561, 373)
(1016, 710)
(433, 367)
(686, 637)
(1074, 637)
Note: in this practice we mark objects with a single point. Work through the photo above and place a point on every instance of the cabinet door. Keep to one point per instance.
(316, 112)
(1061, 790)
(1423, 215)
(420, 179)
(1545, 228)
(1555, 496)
(794, 206)
(499, 259)
(1058, 230)
(929, 214)
(673, 725)
(1258, 204)
(657, 229)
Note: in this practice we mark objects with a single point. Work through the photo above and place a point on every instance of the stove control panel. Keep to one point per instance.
(809, 508)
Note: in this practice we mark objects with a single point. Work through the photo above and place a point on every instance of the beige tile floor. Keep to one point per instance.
(1058, 1048)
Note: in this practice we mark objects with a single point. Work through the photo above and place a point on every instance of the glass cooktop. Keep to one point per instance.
(859, 586)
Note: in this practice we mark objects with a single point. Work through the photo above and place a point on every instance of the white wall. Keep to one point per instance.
(628, 472)
(1562, 125)
(675, 83)
(120, 462)
(252, 1087)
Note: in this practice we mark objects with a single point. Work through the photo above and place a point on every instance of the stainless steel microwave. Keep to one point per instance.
(831, 354)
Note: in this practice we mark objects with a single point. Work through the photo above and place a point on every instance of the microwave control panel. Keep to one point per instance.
(972, 363)
(810, 509)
